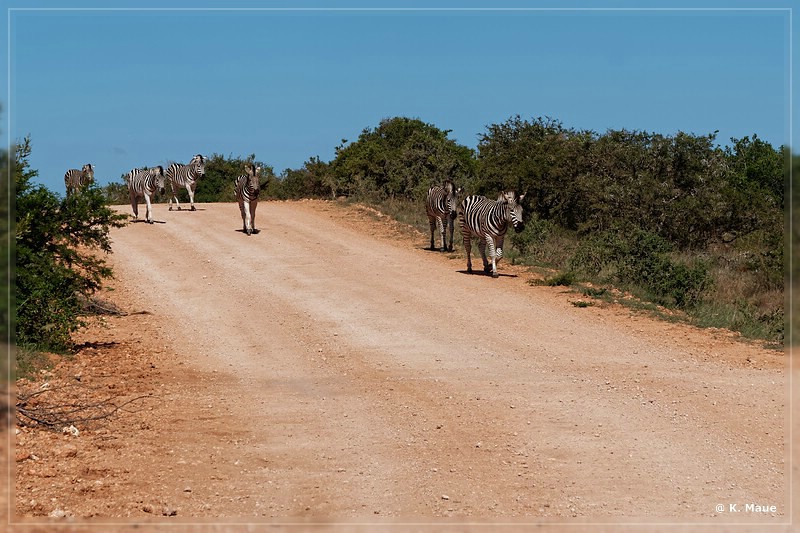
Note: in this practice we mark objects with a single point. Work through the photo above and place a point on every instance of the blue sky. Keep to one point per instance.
(128, 88)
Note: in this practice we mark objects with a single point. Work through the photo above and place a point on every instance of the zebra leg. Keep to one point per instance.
(172, 195)
(484, 240)
(190, 188)
(253, 206)
(468, 249)
(243, 215)
(498, 252)
(149, 216)
(450, 228)
(440, 227)
(490, 242)
(135, 207)
(248, 218)
(432, 222)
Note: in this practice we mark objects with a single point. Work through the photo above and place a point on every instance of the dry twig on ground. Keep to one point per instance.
(68, 405)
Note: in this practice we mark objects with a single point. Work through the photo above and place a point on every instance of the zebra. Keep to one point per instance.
(247, 189)
(75, 180)
(441, 205)
(185, 176)
(144, 184)
(488, 221)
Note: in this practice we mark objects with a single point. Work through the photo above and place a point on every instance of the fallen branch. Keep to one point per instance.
(33, 411)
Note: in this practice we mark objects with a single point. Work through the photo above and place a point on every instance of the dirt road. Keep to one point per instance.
(329, 368)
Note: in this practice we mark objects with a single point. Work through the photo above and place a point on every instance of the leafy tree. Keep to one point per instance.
(117, 193)
(527, 156)
(314, 180)
(220, 175)
(401, 158)
(58, 267)
(757, 167)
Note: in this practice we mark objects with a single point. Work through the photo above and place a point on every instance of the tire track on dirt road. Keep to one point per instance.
(376, 379)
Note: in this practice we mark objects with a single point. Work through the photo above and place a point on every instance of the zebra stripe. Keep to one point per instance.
(185, 176)
(75, 180)
(247, 189)
(441, 205)
(488, 220)
(144, 184)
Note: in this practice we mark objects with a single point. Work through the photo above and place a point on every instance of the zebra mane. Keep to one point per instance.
(509, 197)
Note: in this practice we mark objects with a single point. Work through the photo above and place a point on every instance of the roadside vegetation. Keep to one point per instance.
(677, 223)
(58, 267)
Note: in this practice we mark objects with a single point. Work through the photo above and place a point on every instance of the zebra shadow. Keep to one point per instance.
(95, 345)
(482, 273)
(187, 210)
(255, 231)
(144, 221)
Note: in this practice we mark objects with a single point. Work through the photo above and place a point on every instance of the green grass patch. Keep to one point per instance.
(564, 279)
(30, 362)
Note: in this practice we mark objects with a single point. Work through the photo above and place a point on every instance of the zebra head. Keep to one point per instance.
(452, 197)
(88, 173)
(158, 172)
(513, 208)
(252, 177)
(199, 165)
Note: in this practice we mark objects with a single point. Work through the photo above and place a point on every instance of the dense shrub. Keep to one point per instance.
(221, 172)
(401, 158)
(58, 268)
(642, 259)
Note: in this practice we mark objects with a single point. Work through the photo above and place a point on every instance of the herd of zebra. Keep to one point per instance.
(478, 216)
(145, 183)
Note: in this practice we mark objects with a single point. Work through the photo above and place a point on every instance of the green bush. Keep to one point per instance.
(641, 259)
(58, 268)
(529, 240)
(401, 158)
(220, 175)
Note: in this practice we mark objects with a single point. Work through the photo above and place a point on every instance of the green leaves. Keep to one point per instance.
(58, 268)
(681, 187)
(401, 158)
(220, 174)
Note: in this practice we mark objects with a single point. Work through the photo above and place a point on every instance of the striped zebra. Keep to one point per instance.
(75, 180)
(247, 189)
(145, 184)
(488, 220)
(185, 176)
(441, 205)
